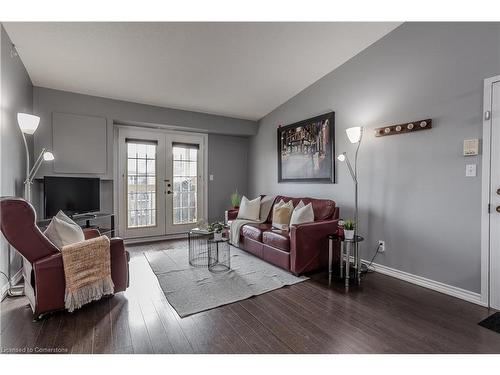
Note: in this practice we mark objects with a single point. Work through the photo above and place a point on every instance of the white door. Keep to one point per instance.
(185, 182)
(495, 197)
(162, 185)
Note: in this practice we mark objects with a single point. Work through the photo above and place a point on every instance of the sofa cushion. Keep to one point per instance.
(254, 231)
(277, 238)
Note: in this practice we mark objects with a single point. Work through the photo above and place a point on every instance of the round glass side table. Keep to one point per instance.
(219, 255)
(348, 248)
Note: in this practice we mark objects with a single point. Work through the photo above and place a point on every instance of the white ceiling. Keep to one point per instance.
(243, 70)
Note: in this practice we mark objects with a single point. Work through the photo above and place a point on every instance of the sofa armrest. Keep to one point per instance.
(309, 245)
(91, 233)
(119, 264)
(232, 214)
(49, 272)
(49, 283)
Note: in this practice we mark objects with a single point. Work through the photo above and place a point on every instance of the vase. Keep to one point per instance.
(348, 234)
(217, 236)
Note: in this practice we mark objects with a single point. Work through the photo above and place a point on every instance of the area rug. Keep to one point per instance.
(191, 290)
(492, 322)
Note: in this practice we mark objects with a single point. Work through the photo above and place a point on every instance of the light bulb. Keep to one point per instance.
(48, 156)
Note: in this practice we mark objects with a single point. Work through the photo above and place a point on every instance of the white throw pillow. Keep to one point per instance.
(62, 216)
(299, 205)
(63, 231)
(249, 210)
(302, 214)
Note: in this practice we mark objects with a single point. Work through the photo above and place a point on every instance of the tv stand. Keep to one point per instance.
(93, 221)
(85, 216)
(104, 222)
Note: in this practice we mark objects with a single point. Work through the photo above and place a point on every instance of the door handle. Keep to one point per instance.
(169, 192)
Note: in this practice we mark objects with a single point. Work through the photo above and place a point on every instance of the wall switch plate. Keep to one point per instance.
(211, 177)
(470, 170)
(471, 147)
(381, 246)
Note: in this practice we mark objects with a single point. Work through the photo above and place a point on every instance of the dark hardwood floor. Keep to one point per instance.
(384, 315)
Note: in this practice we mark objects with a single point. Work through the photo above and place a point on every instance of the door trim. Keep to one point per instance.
(486, 191)
(116, 181)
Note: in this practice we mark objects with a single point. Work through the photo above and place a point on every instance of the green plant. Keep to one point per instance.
(349, 225)
(235, 199)
(216, 226)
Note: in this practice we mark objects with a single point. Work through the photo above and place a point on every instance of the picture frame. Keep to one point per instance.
(306, 150)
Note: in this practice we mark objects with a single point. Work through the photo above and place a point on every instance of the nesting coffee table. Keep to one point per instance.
(207, 252)
(219, 255)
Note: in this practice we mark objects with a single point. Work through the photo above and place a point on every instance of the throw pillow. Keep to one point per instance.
(249, 209)
(302, 214)
(63, 231)
(282, 212)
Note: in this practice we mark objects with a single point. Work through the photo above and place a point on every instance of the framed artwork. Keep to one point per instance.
(306, 150)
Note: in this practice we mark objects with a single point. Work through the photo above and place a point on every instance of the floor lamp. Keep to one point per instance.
(28, 125)
(354, 134)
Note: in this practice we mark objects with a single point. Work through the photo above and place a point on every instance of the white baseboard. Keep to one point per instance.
(131, 241)
(15, 279)
(430, 284)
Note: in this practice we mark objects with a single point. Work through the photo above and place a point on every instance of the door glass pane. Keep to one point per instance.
(185, 184)
(141, 185)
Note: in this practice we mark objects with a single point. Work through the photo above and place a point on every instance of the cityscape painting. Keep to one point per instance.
(306, 149)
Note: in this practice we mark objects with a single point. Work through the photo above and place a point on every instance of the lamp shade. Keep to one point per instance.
(341, 157)
(354, 134)
(28, 123)
(48, 156)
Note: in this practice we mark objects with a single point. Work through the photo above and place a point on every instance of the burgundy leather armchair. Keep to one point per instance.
(302, 249)
(43, 272)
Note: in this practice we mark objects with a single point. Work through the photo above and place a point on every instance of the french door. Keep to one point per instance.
(162, 185)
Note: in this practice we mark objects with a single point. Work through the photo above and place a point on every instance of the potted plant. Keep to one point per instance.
(235, 199)
(349, 227)
(216, 228)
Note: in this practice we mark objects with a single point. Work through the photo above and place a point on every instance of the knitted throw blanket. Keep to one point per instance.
(266, 203)
(87, 269)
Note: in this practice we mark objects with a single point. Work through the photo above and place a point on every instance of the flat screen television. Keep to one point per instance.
(73, 195)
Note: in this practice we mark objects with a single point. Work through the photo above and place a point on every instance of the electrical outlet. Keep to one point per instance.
(381, 246)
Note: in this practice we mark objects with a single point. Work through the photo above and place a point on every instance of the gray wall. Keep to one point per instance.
(228, 163)
(47, 101)
(16, 96)
(222, 160)
(413, 189)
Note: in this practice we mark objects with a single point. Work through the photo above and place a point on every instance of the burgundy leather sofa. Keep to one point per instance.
(304, 248)
(43, 272)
